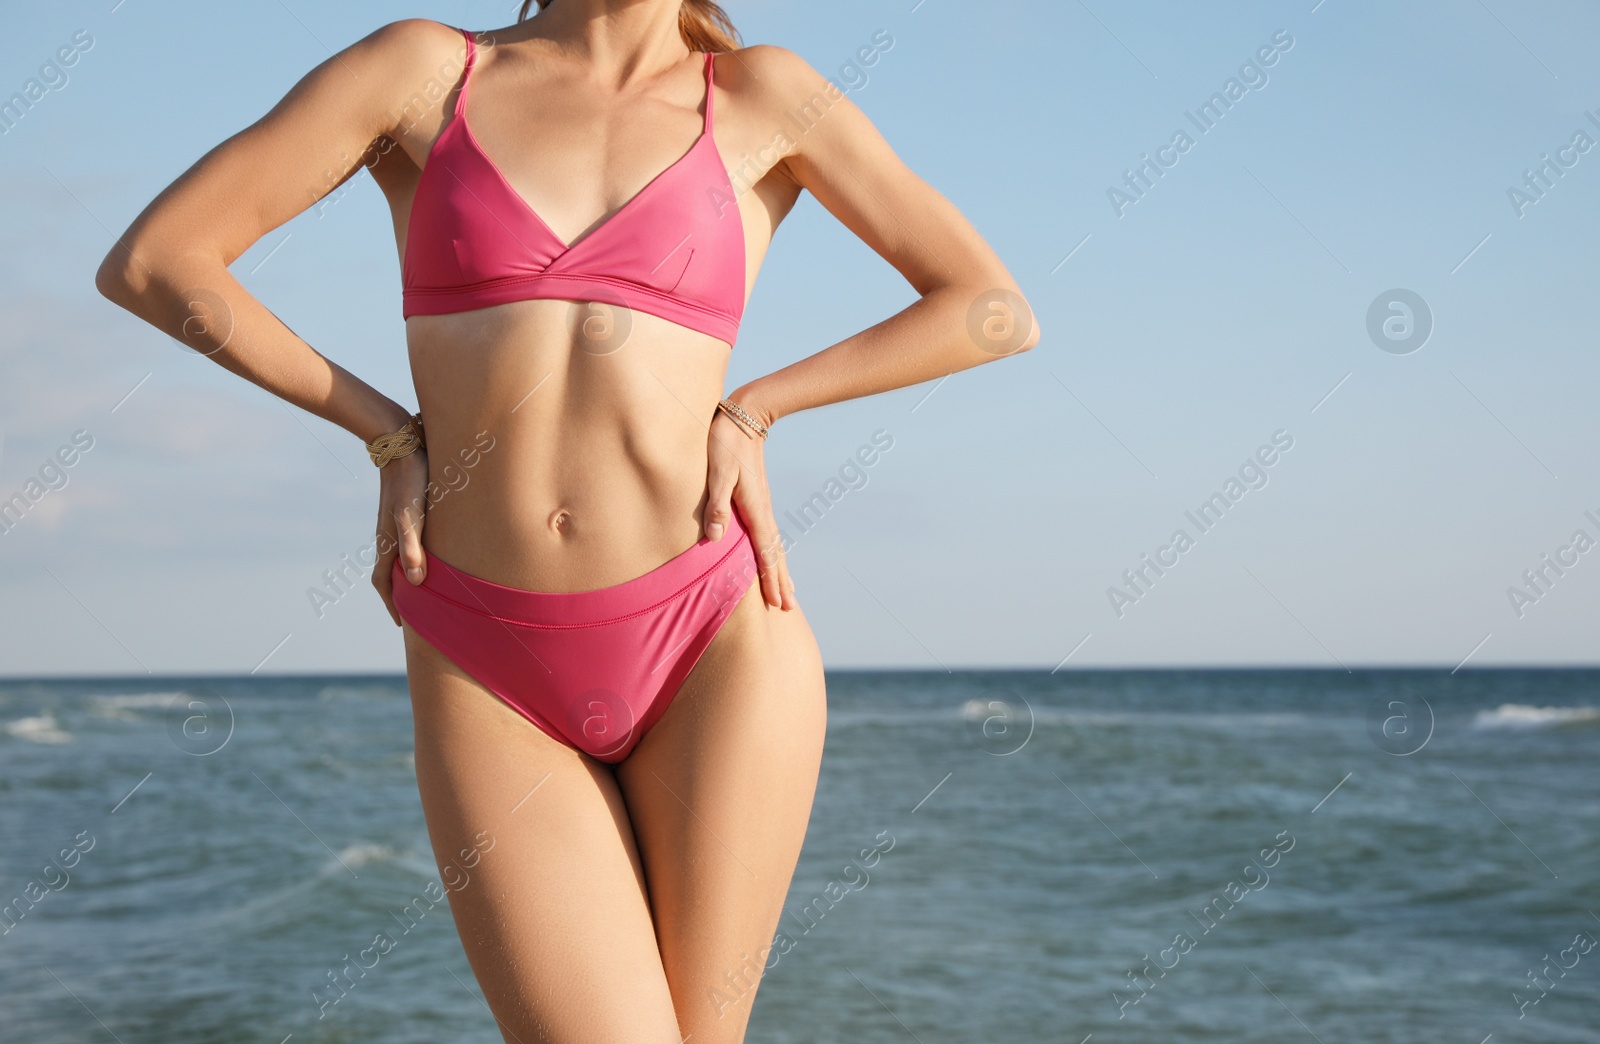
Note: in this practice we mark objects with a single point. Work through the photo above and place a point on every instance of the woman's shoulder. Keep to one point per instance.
(413, 42)
(769, 76)
(765, 62)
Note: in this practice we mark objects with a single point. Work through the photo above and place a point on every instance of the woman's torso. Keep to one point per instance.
(597, 414)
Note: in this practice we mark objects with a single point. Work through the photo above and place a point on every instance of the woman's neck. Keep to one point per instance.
(622, 40)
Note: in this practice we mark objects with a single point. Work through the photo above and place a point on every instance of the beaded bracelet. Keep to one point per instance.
(742, 417)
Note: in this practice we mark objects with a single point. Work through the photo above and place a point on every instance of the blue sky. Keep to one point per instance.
(1183, 330)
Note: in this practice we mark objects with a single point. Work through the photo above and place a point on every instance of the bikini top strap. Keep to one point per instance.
(466, 72)
(710, 66)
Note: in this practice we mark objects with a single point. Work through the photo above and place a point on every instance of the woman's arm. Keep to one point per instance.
(171, 266)
(970, 311)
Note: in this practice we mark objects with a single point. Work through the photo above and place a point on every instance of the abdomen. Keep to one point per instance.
(566, 441)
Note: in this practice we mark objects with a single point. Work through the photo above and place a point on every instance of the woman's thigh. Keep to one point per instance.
(552, 912)
(719, 792)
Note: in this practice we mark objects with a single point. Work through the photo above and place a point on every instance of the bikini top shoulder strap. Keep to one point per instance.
(466, 72)
(710, 84)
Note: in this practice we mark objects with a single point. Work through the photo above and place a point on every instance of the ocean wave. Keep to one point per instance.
(41, 729)
(978, 710)
(356, 855)
(266, 909)
(419, 864)
(1522, 716)
(855, 718)
(121, 705)
(378, 691)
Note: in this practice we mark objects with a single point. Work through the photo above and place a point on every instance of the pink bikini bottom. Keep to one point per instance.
(593, 669)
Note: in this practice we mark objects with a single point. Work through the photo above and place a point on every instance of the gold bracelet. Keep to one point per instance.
(742, 417)
(396, 444)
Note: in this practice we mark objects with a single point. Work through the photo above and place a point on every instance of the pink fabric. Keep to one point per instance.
(594, 669)
(675, 250)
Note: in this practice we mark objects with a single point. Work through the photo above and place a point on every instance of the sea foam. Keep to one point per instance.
(123, 705)
(41, 729)
(1522, 716)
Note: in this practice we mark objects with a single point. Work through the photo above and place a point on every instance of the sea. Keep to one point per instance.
(1110, 856)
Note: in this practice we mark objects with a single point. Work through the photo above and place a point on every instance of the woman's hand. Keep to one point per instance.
(736, 473)
(402, 504)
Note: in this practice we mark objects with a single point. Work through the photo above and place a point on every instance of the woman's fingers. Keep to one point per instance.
(736, 474)
(786, 598)
(382, 576)
(770, 554)
(722, 475)
(408, 521)
(402, 502)
(755, 507)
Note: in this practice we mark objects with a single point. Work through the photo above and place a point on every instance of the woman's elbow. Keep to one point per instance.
(1013, 321)
(118, 278)
(1028, 317)
(1002, 322)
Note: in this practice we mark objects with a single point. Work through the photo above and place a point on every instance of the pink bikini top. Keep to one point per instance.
(675, 250)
